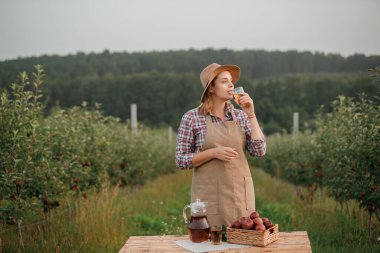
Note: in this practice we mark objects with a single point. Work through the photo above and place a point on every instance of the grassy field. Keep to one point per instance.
(104, 221)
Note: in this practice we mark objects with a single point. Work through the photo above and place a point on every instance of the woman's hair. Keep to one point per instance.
(206, 106)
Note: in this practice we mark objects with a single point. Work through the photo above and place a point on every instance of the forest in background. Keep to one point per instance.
(166, 84)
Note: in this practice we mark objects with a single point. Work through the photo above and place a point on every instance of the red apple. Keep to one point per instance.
(260, 227)
(254, 215)
(236, 224)
(268, 224)
(265, 219)
(247, 224)
(243, 219)
(258, 221)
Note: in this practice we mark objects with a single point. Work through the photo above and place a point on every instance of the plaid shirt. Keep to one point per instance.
(192, 133)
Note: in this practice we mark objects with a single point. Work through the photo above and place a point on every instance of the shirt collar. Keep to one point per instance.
(227, 110)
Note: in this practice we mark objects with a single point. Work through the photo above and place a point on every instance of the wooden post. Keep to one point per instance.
(170, 135)
(294, 140)
(295, 128)
(134, 118)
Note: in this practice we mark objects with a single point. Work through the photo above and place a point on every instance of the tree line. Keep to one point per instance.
(166, 84)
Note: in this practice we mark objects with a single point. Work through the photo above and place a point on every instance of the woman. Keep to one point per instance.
(213, 139)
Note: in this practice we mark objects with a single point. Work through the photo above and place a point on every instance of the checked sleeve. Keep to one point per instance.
(185, 143)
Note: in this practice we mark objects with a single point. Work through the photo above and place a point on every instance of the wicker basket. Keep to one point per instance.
(253, 237)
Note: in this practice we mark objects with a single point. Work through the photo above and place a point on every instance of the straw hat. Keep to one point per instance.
(212, 70)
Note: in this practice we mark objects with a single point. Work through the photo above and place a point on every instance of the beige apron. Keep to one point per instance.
(226, 185)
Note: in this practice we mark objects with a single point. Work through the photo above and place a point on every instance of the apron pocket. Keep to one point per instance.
(206, 190)
(249, 193)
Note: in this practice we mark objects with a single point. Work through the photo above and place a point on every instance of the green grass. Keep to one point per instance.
(104, 221)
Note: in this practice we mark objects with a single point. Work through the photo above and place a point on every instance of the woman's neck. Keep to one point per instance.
(218, 108)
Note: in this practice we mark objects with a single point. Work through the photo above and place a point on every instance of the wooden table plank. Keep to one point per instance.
(297, 242)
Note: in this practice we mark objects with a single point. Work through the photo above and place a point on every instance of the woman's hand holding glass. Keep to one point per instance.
(244, 100)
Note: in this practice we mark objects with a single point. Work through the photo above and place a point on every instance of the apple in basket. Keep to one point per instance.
(254, 215)
(258, 221)
(253, 222)
(268, 224)
(246, 223)
(236, 224)
(260, 227)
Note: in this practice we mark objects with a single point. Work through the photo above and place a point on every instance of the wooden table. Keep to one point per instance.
(288, 242)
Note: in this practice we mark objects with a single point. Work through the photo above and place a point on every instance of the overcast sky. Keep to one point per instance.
(35, 27)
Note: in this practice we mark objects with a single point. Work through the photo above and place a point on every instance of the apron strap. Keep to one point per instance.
(234, 116)
(233, 113)
(208, 118)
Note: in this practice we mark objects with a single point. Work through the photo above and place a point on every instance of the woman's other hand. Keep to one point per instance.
(225, 153)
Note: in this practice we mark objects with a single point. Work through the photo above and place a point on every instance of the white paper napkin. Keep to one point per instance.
(207, 246)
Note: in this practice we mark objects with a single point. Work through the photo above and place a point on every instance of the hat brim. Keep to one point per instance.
(233, 69)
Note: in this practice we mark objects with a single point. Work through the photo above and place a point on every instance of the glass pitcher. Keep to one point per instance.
(198, 228)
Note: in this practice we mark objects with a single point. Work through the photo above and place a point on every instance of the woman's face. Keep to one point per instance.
(223, 86)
